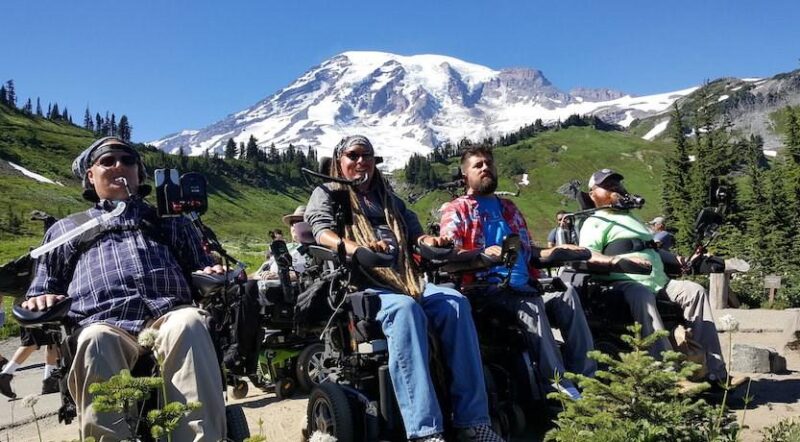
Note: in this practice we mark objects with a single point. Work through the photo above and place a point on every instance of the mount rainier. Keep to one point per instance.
(408, 104)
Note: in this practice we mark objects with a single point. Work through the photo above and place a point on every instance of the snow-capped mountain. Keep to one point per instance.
(408, 104)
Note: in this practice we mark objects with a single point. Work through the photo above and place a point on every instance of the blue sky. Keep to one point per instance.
(171, 65)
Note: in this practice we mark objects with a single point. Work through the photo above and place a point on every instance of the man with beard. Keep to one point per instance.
(479, 221)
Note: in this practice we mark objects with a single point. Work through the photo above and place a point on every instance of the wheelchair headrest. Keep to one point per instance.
(304, 234)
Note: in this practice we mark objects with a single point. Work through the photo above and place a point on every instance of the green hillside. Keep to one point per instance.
(244, 201)
(554, 158)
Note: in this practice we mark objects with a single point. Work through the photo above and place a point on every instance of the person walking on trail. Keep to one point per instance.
(129, 278)
(31, 340)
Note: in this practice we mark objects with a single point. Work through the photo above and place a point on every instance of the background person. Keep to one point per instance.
(562, 233)
(661, 236)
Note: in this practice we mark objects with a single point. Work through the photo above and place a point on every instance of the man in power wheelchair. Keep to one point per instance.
(613, 230)
(380, 225)
(128, 271)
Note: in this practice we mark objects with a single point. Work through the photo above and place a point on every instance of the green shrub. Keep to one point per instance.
(787, 430)
(638, 398)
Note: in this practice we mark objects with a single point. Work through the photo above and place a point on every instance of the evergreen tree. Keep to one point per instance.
(98, 124)
(230, 149)
(11, 94)
(124, 129)
(242, 151)
(28, 108)
(38, 108)
(273, 157)
(88, 124)
(251, 151)
(55, 114)
(793, 135)
(3, 95)
(65, 114)
(49, 110)
(113, 125)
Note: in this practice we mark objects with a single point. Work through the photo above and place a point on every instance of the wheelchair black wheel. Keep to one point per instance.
(240, 389)
(309, 368)
(329, 412)
(237, 423)
(284, 388)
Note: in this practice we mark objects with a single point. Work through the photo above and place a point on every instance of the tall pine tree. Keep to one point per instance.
(230, 149)
(124, 129)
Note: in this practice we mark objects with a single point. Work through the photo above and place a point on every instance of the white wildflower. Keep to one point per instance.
(728, 323)
(321, 437)
(148, 337)
(30, 400)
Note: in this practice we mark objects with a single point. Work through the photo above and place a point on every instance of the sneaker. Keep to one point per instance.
(432, 438)
(5, 385)
(50, 385)
(481, 433)
(571, 391)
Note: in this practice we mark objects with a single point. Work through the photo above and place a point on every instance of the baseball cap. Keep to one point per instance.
(657, 220)
(601, 175)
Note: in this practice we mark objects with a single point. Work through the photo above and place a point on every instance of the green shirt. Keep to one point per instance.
(606, 226)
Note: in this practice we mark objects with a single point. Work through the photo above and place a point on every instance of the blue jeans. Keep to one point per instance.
(405, 323)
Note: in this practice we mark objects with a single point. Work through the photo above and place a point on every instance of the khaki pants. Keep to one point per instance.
(692, 297)
(190, 372)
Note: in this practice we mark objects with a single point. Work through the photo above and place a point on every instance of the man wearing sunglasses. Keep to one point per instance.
(131, 276)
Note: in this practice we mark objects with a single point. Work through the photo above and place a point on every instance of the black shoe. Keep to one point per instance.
(5, 385)
(50, 385)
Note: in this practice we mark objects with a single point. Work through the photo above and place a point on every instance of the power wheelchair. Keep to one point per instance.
(606, 311)
(289, 352)
(211, 292)
(356, 400)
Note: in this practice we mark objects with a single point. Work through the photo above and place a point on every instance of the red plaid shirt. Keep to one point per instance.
(461, 222)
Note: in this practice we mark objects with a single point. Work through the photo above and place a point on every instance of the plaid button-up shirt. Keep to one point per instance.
(461, 222)
(126, 277)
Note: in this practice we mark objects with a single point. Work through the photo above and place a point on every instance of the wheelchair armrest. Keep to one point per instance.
(53, 315)
(210, 285)
(476, 264)
(558, 256)
(369, 259)
(622, 266)
(431, 253)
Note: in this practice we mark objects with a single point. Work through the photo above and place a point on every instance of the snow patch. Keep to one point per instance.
(722, 98)
(771, 153)
(33, 175)
(656, 130)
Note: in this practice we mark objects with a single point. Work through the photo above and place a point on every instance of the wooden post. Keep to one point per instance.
(719, 284)
(772, 283)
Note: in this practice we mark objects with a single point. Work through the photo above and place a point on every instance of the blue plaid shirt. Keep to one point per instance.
(126, 277)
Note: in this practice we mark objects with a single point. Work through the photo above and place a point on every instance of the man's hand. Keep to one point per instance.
(435, 241)
(214, 270)
(493, 252)
(41, 302)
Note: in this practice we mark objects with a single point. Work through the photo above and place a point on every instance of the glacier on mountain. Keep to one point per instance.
(407, 105)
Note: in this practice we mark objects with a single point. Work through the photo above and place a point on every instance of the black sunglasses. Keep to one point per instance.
(354, 156)
(111, 160)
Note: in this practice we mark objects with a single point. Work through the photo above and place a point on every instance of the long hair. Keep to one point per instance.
(404, 278)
